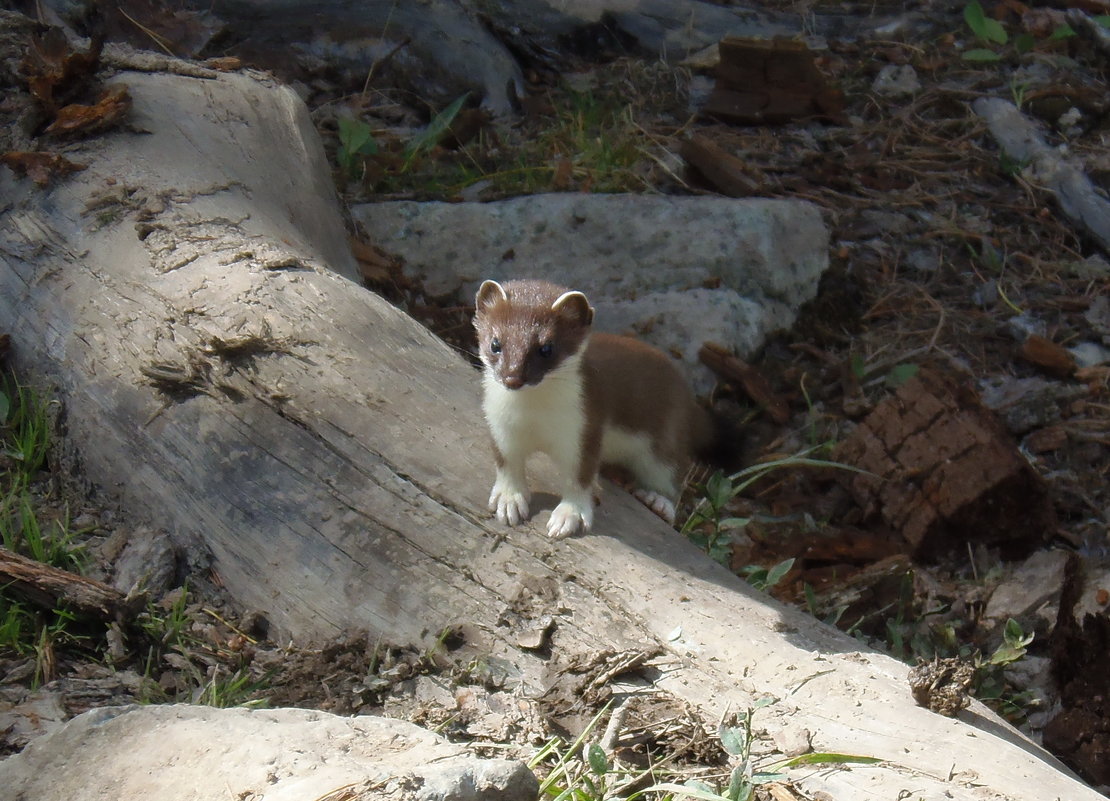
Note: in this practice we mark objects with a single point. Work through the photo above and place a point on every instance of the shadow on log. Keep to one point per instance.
(328, 451)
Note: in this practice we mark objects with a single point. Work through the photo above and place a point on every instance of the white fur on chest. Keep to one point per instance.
(551, 416)
(547, 417)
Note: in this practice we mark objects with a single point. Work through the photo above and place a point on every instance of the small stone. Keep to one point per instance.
(896, 80)
(480, 780)
(1098, 316)
(1031, 673)
(924, 260)
(1027, 403)
(148, 563)
(792, 741)
(209, 754)
(1023, 325)
(1033, 589)
(1093, 267)
(1089, 354)
(986, 295)
(1095, 582)
(1069, 122)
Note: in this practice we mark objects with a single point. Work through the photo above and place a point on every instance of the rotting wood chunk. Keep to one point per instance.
(1080, 643)
(762, 82)
(945, 472)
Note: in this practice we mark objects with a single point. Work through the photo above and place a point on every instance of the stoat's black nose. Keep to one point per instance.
(513, 381)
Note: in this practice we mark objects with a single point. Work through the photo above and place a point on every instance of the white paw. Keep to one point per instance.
(569, 518)
(657, 503)
(511, 506)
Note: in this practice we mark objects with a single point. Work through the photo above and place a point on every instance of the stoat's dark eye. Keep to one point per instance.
(495, 345)
(546, 350)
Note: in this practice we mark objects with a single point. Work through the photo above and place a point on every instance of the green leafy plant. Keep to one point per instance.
(357, 143)
(168, 626)
(26, 431)
(989, 684)
(746, 775)
(899, 374)
(575, 772)
(764, 578)
(22, 532)
(708, 527)
(713, 537)
(15, 623)
(355, 139)
(991, 33)
(238, 688)
(1015, 644)
(1017, 92)
(434, 131)
(987, 30)
(591, 142)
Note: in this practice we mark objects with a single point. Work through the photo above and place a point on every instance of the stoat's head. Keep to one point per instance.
(527, 329)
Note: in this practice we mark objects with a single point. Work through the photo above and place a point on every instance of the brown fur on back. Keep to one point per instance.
(639, 388)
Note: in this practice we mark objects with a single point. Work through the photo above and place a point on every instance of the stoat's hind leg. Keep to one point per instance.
(660, 504)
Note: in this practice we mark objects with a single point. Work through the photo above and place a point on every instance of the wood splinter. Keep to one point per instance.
(739, 373)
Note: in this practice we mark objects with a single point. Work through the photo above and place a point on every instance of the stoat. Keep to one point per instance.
(582, 398)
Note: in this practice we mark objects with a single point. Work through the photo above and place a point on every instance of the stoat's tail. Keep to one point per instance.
(718, 440)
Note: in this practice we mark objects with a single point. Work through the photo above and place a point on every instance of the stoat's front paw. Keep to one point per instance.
(510, 505)
(660, 504)
(569, 518)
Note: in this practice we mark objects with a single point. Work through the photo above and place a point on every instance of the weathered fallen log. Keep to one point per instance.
(328, 450)
(1076, 195)
(48, 587)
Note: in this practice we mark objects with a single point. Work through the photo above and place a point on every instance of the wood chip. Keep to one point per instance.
(724, 171)
(1046, 439)
(738, 372)
(1048, 356)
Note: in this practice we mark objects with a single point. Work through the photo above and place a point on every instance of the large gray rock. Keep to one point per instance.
(644, 261)
(199, 753)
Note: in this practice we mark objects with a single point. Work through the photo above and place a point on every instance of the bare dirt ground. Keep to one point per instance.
(947, 259)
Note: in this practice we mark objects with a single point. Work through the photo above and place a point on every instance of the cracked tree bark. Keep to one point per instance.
(224, 384)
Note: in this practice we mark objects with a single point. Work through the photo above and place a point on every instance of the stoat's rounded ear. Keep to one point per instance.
(575, 307)
(489, 293)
